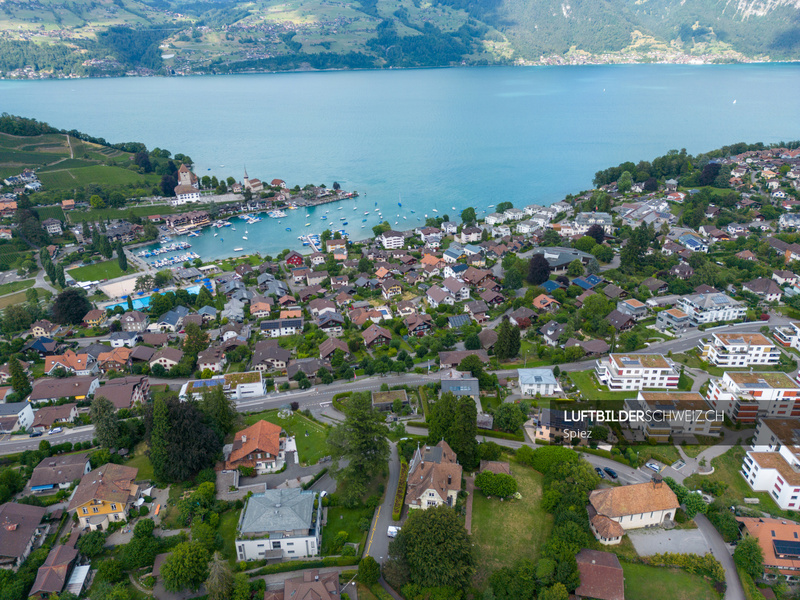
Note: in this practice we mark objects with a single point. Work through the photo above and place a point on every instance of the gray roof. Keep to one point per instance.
(278, 510)
(12, 408)
(458, 321)
(536, 377)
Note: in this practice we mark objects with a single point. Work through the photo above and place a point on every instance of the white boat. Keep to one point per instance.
(341, 207)
(377, 210)
(491, 206)
(404, 216)
(238, 249)
(246, 232)
(454, 208)
(308, 224)
(362, 227)
(434, 210)
(215, 234)
(395, 222)
(426, 216)
(244, 237)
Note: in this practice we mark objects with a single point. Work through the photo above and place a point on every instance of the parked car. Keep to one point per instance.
(600, 472)
(393, 531)
(56, 430)
(653, 466)
(35, 434)
(611, 472)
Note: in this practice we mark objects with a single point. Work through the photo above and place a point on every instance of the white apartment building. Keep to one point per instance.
(788, 336)
(583, 221)
(495, 219)
(391, 240)
(773, 463)
(637, 372)
(711, 308)
(674, 414)
(747, 396)
(538, 381)
(738, 350)
(238, 386)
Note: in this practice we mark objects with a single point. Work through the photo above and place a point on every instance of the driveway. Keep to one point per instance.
(722, 553)
(378, 541)
(655, 541)
(293, 472)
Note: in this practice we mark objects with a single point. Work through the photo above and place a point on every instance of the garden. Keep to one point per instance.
(309, 435)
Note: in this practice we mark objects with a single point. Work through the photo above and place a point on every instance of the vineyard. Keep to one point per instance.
(50, 212)
(13, 254)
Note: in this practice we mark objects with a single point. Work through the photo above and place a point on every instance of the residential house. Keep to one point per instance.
(458, 321)
(637, 372)
(681, 271)
(269, 356)
(331, 323)
(460, 384)
(434, 477)
(651, 504)
(19, 530)
(52, 576)
(79, 364)
(391, 239)
(669, 415)
(437, 296)
(294, 259)
(488, 338)
(104, 495)
(95, 318)
(552, 331)
(418, 325)
(331, 345)
(44, 328)
(385, 400)
(212, 358)
(544, 303)
(538, 381)
(376, 336)
(260, 446)
(777, 539)
(767, 289)
(59, 471)
(656, 286)
(391, 288)
(172, 320)
(52, 226)
(674, 319)
(281, 327)
(771, 464)
(457, 288)
(714, 307)
(448, 360)
(126, 339)
(783, 277)
(125, 392)
(47, 390)
(633, 308)
(478, 310)
(495, 219)
(522, 316)
(310, 585)
(48, 416)
(316, 277)
(746, 397)
(134, 321)
(166, 357)
(738, 350)
(15, 416)
(620, 321)
(237, 386)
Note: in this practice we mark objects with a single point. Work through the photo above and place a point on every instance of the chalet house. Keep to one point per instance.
(418, 325)
(212, 359)
(491, 297)
(523, 316)
(260, 447)
(125, 392)
(437, 296)
(281, 327)
(117, 359)
(376, 336)
(620, 321)
(294, 259)
(331, 345)
(391, 288)
(166, 357)
(134, 321)
(269, 356)
(48, 416)
(21, 527)
(470, 235)
(95, 318)
(478, 310)
(320, 306)
(44, 328)
(104, 495)
(331, 323)
(458, 289)
(681, 271)
(79, 364)
(434, 477)
(768, 289)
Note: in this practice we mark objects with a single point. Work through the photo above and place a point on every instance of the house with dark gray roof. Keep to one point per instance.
(279, 523)
(19, 527)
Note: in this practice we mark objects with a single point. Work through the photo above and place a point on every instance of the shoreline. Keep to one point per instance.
(516, 64)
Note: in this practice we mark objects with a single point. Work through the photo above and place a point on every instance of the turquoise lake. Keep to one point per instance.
(434, 138)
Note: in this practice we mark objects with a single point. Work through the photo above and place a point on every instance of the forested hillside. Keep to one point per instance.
(114, 37)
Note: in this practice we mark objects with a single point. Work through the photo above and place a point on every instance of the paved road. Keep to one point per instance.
(378, 540)
(40, 282)
(722, 553)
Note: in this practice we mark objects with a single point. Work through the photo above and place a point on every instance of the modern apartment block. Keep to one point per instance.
(788, 336)
(711, 308)
(637, 372)
(747, 397)
(773, 463)
(738, 350)
(674, 414)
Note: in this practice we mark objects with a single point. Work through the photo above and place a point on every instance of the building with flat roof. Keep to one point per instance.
(738, 350)
(773, 462)
(747, 396)
(637, 372)
(665, 414)
(538, 381)
(674, 319)
(788, 336)
(280, 523)
(238, 386)
(713, 307)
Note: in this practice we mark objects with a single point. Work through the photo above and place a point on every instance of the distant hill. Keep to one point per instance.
(112, 37)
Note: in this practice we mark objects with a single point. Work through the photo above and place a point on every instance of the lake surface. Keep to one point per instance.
(436, 138)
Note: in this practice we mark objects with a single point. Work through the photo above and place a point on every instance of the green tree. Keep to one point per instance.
(694, 504)
(538, 270)
(159, 439)
(196, 340)
(435, 548)
(105, 421)
(241, 587)
(32, 295)
(186, 567)
(71, 306)
(508, 340)
(19, 381)
(468, 216)
(512, 280)
(500, 485)
(592, 267)
(624, 182)
(122, 258)
(575, 268)
(557, 592)
(596, 232)
(219, 583)
(360, 440)
(220, 409)
(473, 342)
(603, 253)
(61, 278)
(97, 202)
(509, 417)
(749, 556)
(91, 544)
(369, 571)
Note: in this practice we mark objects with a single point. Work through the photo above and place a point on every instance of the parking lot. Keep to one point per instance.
(654, 541)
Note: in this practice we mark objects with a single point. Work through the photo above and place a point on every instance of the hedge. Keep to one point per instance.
(748, 585)
(693, 563)
(517, 437)
(315, 478)
(336, 400)
(299, 565)
(380, 593)
(606, 454)
(400, 496)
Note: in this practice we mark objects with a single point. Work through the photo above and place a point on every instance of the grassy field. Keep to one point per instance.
(504, 532)
(12, 299)
(587, 384)
(141, 461)
(345, 519)
(98, 271)
(309, 435)
(16, 286)
(69, 178)
(726, 470)
(51, 212)
(98, 214)
(227, 531)
(643, 582)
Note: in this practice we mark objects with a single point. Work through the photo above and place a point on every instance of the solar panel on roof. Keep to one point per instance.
(786, 547)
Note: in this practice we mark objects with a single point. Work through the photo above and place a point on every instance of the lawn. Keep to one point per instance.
(227, 531)
(16, 286)
(12, 299)
(643, 582)
(726, 470)
(310, 436)
(141, 461)
(587, 384)
(705, 442)
(70, 178)
(94, 214)
(685, 382)
(345, 519)
(504, 532)
(98, 271)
